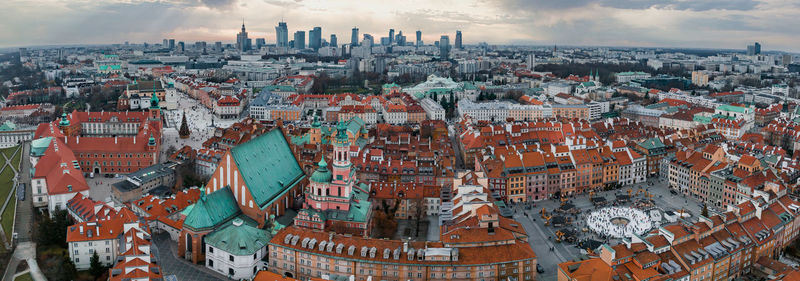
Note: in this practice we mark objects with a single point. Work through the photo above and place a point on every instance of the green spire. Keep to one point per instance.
(316, 123)
(154, 101)
(64, 121)
(203, 192)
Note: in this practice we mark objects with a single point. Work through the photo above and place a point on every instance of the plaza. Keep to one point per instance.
(551, 251)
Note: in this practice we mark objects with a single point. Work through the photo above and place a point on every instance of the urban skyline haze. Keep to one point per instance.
(663, 23)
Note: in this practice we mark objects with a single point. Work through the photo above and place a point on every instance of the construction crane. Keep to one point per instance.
(547, 219)
(559, 235)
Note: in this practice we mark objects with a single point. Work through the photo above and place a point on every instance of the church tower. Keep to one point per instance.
(341, 156)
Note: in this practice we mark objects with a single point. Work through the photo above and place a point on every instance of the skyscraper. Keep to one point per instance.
(165, 44)
(300, 40)
(391, 35)
(282, 35)
(218, 46)
(241, 40)
(171, 44)
(458, 40)
(444, 47)
(354, 37)
(419, 38)
(181, 47)
(315, 38)
(368, 40)
(333, 42)
(260, 42)
(400, 39)
(758, 48)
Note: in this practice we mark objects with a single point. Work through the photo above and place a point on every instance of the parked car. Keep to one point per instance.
(21, 192)
(539, 268)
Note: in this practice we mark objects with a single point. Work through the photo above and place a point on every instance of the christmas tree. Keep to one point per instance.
(184, 130)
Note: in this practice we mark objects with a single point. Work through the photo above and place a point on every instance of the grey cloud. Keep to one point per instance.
(691, 5)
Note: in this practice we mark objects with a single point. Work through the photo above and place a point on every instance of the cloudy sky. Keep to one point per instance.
(656, 23)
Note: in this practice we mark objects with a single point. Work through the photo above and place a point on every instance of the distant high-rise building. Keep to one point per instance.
(368, 40)
(200, 45)
(282, 35)
(354, 37)
(181, 47)
(218, 46)
(444, 47)
(531, 61)
(241, 40)
(165, 44)
(172, 44)
(260, 42)
(458, 40)
(391, 35)
(400, 39)
(754, 49)
(315, 38)
(419, 38)
(333, 42)
(300, 40)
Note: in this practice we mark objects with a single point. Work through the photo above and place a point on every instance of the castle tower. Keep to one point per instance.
(155, 108)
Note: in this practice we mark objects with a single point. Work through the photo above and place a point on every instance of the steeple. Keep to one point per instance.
(64, 121)
(154, 100)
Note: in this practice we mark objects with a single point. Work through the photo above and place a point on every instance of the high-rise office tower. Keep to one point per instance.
(241, 40)
(300, 40)
(757, 48)
(368, 40)
(444, 47)
(171, 44)
(315, 38)
(419, 38)
(333, 42)
(354, 37)
(165, 44)
(181, 47)
(391, 35)
(400, 39)
(260, 42)
(458, 40)
(218, 46)
(282, 35)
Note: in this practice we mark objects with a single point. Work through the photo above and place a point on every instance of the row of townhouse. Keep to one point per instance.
(723, 246)
(521, 174)
(717, 178)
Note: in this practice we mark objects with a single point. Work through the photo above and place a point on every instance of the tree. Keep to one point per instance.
(52, 230)
(705, 211)
(68, 270)
(184, 130)
(95, 267)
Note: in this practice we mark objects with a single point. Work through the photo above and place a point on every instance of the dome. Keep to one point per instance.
(322, 174)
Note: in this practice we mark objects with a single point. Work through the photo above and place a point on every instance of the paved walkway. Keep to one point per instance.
(25, 251)
(171, 264)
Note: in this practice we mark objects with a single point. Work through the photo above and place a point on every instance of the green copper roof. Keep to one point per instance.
(389, 86)
(322, 174)
(218, 207)
(280, 88)
(268, 166)
(355, 124)
(652, 143)
(8, 126)
(40, 145)
(727, 107)
(64, 121)
(239, 237)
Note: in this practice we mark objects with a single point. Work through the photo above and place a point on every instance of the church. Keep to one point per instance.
(254, 182)
(333, 199)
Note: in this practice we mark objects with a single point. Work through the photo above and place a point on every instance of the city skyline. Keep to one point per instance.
(625, 23)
